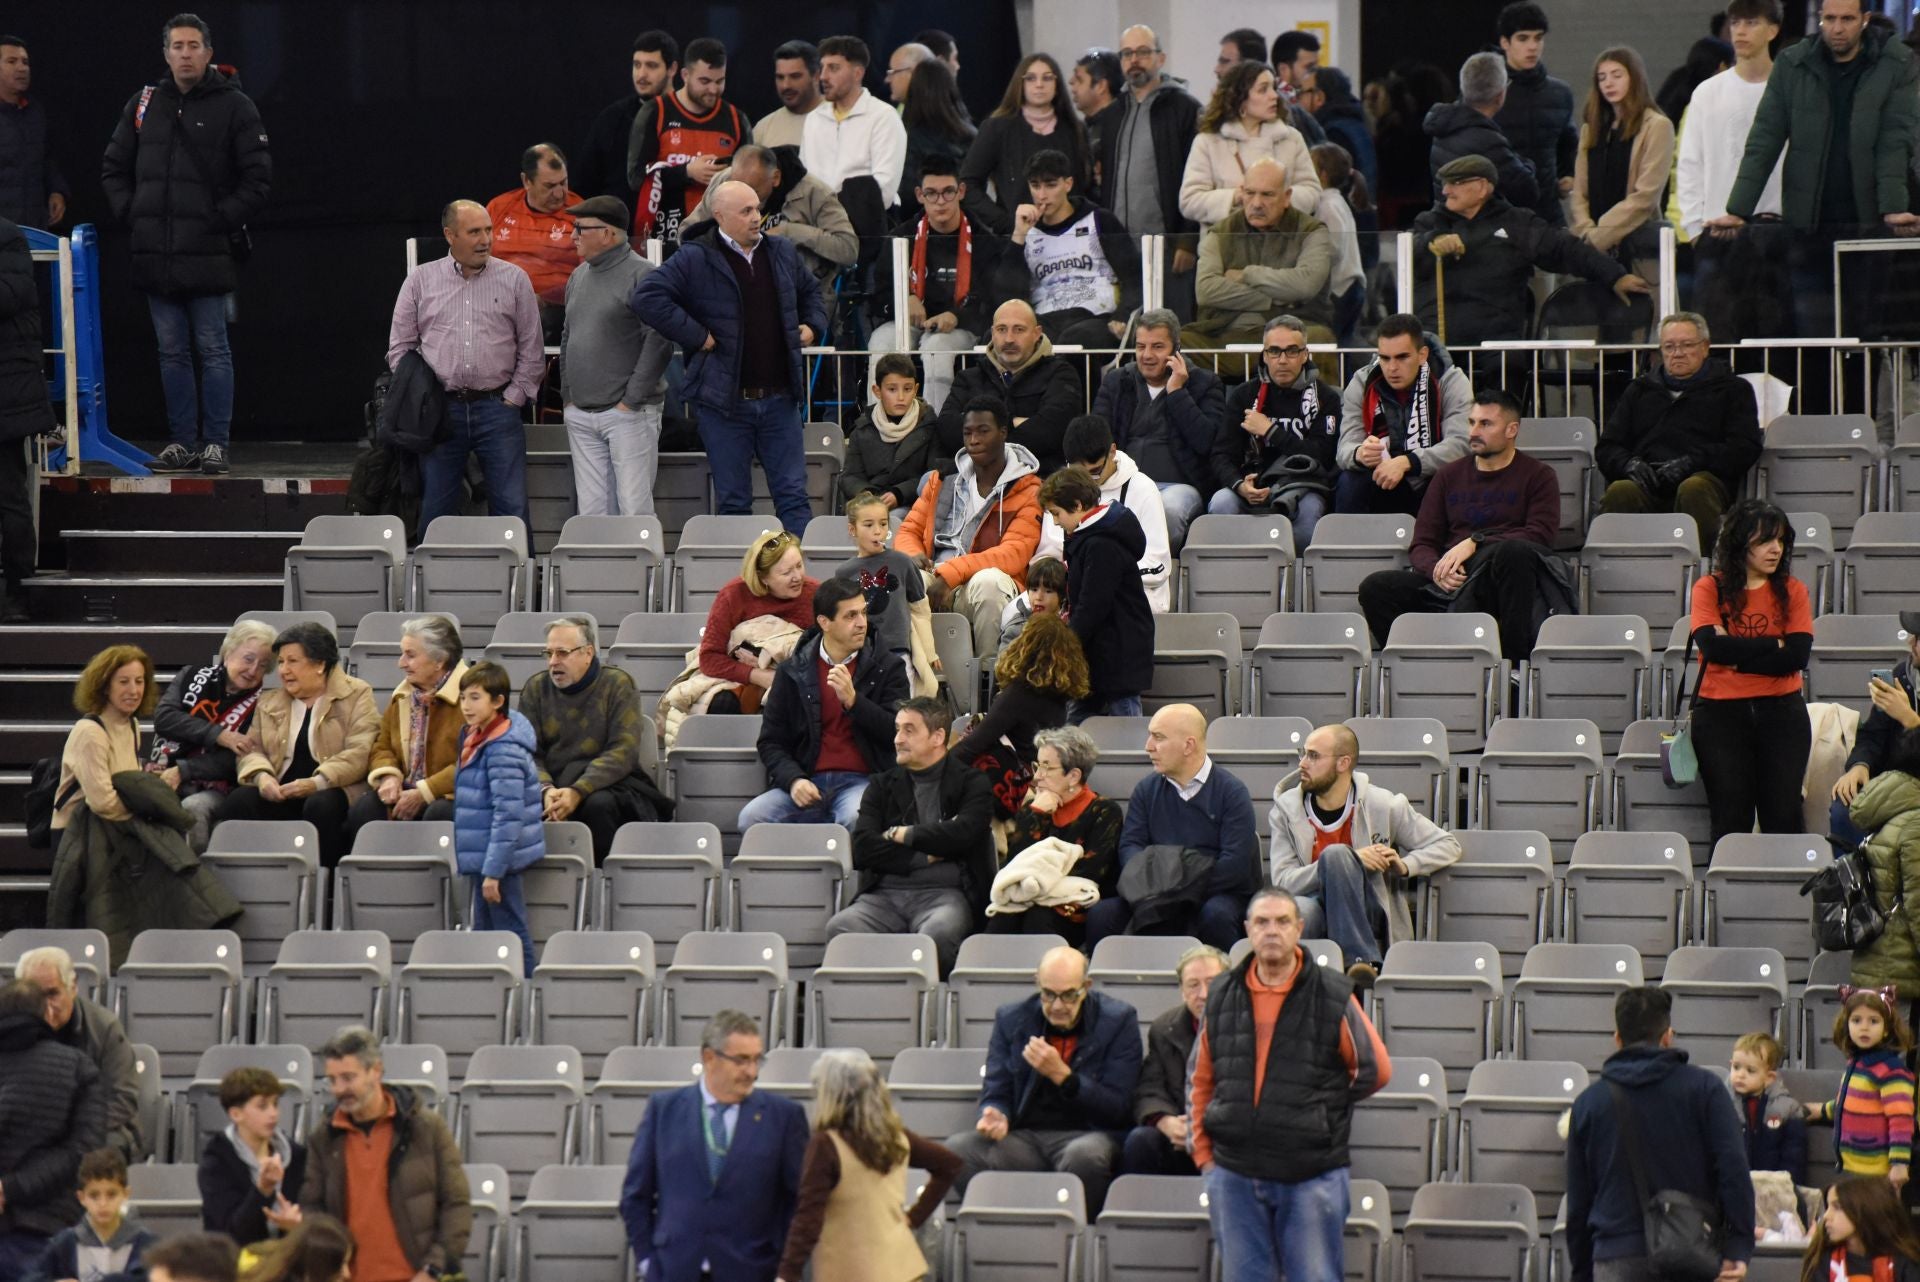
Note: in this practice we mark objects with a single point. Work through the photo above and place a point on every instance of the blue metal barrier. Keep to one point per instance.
(87, 421)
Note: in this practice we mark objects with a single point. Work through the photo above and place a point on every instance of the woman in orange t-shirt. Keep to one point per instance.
(1753, 623)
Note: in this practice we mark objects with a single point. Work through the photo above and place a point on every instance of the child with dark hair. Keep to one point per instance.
(892, 447)
(1046, 593)
(1865, 1233)
(498, 832)
(1072, 259)
(106, 1244)
(251, 1173)
(1106, 600)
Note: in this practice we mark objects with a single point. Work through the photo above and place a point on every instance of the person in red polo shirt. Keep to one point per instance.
(533, 230)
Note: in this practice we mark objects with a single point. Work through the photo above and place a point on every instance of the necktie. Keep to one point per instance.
(717, 1140)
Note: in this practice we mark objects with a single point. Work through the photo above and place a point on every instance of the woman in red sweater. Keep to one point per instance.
(773, 580)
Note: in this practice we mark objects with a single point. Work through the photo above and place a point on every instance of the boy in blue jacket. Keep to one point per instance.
(497, 826)
(1775, 1126)
(107, 1242)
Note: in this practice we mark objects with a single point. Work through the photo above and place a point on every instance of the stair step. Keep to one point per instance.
(177, 552)
(20, 859)
(24, 742)
(48, 696)
(13, 795)
(170, 645)
(174, 599)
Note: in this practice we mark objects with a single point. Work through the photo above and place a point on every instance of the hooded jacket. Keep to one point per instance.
(1191, 414)
(1295, 433)
(230, 1198)
(393, 748)
(1000, 535)
(79, 1252)
(24, 408)
(1795, 113)
(1691, 1136)
(1139, 495)
(1286, 268)
(1345, 122)
(1107, 603)
(1379, 816)
(1537, 119)
(497, 826)
(1458, 130)
(1369, 407)
(1220, 159)
(1714, 422)
(426, 1184)
(1172, 116)
(181, 209)
(873, 465)
(1889, 808)
(1487, 288)
(804, 210)
(53, 1109)
(789, 742)
(1042, 396)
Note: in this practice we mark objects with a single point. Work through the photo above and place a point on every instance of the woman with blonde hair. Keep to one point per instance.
(200, 724)
(848, 1219)
(1244, 122)
(1040, 671)
(1620, 171)
(773, 581)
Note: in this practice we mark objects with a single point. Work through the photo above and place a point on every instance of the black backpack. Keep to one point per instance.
(40, 805)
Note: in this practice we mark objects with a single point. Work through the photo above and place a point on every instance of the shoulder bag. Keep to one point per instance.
(1679, 764)
(1682, 1231)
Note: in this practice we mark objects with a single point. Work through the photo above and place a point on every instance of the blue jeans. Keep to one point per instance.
(509, 914)
(840, 793)
(492, 429)
(201, 412)
(1307, 512)
(734, 434)
(1840, 823)
(1126, 705)
(1274, 1232)
(1182, 503)
(1339, 906)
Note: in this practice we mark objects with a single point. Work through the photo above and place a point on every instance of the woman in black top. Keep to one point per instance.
(1061, 804)
(1038, 673)
(936, 124)
(1035, 115)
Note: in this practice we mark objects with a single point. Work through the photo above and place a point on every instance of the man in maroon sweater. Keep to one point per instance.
(1483, 535)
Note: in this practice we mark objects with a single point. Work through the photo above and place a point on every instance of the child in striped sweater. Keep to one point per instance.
(1873, 1114)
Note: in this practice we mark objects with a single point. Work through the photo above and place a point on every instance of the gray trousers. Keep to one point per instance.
(1632, 1268)
(940, 911)
(1091, 1155)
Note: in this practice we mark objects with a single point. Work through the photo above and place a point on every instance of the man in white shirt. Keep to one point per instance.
(852, 134)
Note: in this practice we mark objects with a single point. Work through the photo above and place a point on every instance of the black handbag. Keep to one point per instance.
(1683, 1232)
(1846, 915)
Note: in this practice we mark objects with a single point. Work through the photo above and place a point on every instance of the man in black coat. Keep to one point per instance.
(923, 844)
(1895, 711)
(1467, 128)
(24, 414)
(1682, 436)
(1537, 116)
(603, 159)
(52, 1110)
(1042, 392)
(1164, 412)
(1159, 1142)
(33, 193)
(186, 170)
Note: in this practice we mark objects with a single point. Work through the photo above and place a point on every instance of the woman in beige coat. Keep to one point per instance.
(316, 734)
(1243, 124)
(1626, 152)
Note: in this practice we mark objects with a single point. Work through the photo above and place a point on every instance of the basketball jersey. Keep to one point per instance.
(665, 196)
(1069, 269)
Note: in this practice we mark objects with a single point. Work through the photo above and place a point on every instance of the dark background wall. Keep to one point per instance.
(380, 111)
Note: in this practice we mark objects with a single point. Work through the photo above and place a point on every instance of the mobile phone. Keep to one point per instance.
(1883, 675)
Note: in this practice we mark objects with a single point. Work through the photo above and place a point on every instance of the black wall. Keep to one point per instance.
(379, 112)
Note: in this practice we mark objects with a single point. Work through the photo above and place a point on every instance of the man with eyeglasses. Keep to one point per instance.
(900, 69)
(1274, 448)
(586, 725)
(1347, 850)
(1264, 257)
(714, 1174)
(533, 230)
(1683, 436)
(1143, 155)
(1060, 1074)
(88, 1027)
(1161, 1142)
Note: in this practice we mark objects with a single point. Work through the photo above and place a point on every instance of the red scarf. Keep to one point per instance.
(1837, 1268)
(963, 266)
(471, 743)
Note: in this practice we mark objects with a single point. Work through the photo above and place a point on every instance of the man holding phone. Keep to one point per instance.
(1164, 412)
(1896, 709)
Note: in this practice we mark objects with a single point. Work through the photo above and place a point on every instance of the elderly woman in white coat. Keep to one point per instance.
(1243, 124)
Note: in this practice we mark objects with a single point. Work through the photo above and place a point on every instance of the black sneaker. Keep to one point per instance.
(213, 460)
(176, 458)
(15, 608)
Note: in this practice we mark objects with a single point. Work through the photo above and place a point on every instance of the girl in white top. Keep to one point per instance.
(1243, 124)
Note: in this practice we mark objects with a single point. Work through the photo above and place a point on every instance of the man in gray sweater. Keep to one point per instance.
(612, 368)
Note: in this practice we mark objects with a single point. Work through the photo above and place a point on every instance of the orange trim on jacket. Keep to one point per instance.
(1005, 540)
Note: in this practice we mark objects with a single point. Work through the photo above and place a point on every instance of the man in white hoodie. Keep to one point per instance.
(1088, 445)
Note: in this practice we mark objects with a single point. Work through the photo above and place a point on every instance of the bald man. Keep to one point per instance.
(1060, 1075)
(742, 305)
(1187, 805)
(1262, 259)
(1042, 392)
(1347, 850)
(900, 70)
(1143, 154)
(475, 321)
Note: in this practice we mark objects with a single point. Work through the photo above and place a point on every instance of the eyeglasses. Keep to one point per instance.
(1050, 998)
(561, 654)
(899, 71)
(743, 1061)
(1291, 353)
(939, 195)
(1681, 348)
(1128, 55)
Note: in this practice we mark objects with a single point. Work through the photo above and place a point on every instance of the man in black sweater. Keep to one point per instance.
(1537, 115)
(1482, 537)
(1894, 712)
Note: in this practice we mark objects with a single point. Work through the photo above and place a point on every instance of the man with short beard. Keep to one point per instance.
(603, 159)
(1041, 391)
(796, 79)
(680, 141)
(32, 191)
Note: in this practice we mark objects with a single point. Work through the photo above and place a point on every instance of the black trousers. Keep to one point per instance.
(370, 808)
(1753, 760)
(1506, 587)
(326, 810)
(16, 511)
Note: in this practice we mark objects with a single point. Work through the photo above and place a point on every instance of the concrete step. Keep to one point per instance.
(172, 646)
(177, 552)
(13, 795)
(17, 857)
(24, 742)
(59, 599)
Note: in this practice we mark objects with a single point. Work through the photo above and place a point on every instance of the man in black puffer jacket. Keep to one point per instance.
(1106, 599)
(24, 413)
(1467, 128)
(186, 170)
(52, 1109)
(1538, 114)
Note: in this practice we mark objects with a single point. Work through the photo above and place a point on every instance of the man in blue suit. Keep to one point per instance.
(1058, 1093)
(715, 1168)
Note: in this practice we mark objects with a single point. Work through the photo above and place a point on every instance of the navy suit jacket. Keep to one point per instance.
(677, 1216)
(1106, 1059)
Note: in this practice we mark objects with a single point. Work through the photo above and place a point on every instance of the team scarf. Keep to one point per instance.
(1837, 1268)
(1309, 407)
(963, 264)
(166, 750)
(1422, 412)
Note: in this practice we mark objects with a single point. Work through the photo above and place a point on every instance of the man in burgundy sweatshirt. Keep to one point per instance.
(1483, 537)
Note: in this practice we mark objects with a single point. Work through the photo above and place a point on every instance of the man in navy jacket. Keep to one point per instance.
(715, 1169)
(741, 305)
(1058, 1094)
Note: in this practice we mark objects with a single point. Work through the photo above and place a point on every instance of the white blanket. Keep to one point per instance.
(1038, 877)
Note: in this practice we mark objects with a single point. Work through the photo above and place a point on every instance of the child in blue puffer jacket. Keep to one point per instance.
(497, 825)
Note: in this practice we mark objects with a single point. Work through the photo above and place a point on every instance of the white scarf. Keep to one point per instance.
(894, 431)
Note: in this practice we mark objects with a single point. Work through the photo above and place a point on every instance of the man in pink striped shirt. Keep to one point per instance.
(476, 322)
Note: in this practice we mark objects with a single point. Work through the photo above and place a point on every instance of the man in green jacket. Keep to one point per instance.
(1264, 258)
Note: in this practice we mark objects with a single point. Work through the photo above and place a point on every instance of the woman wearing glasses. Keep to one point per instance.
(1275, 446)
(411, 769)
(1035, 115)
(1062, 806)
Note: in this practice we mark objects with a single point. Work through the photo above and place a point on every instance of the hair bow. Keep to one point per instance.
(1888, 994)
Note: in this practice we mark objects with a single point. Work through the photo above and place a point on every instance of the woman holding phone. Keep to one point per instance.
(1896, 708)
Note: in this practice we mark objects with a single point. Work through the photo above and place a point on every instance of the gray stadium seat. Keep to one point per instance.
(347, 565)
(1814, 558)
(1440, 1000)
(1138, 970)
(1882, 568)
(487, 1191)
(1019, 1226)
(422, 1067)
(1599, 668)
(1346, 548)
(1196, 659)
(1753, 894)
(1510, 1124)
(1642, 801)
(714, 971)
(376, 646)
(550, 497)
(1720, 994)
(708, 557)
(557, 887)
(460, 990)
(479, 567)
(1499, 891)
(1122, 742)
(322, 980)
(518, 644)
(653, 648)
(198, 1115)
(827, 542)
(1808, 1085)
(1444, 666)
(788, 1072)
(570, 1224)
(1819, 1007)
(1399, 1135)
(1369, 1233)
(630, 1077)
(1846, 650)
(606, 566)
(1562, 1004)
(1260, 751)
(789, 879)
(1408, 755)
(1310, 665)
(591, 990)
(1238, 565)
(1822, 463)
(520, 1109)
(990, 971)
(1633, 888)
(1903, 467)
(401, 880)
(937, 1091)
(1152, 1226)
(1566, 445)
(716, 770)
(680, 490)
(273, 869)
(825, 454)
(959, 667)
(154, 1122)
(1471, 1233)
(1639, 563)
(664, 879)
(877, 992)
(1542, 775)
(85, 946)
(166, 1197)
(1666, 696)
(181, 991)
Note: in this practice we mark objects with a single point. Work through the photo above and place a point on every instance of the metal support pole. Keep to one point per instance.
(1403, 270)
(902, 291)
(1669, 272)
